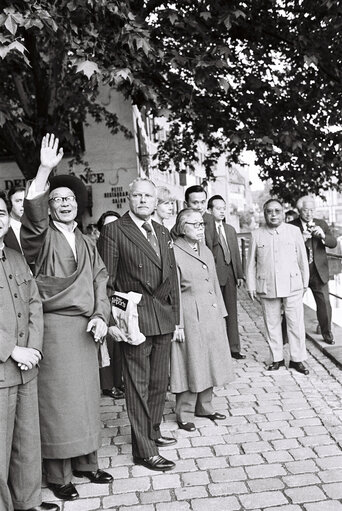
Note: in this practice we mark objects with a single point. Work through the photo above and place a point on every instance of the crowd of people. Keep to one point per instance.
(56, 289)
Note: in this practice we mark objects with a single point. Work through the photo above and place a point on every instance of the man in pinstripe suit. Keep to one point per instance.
(139, 257)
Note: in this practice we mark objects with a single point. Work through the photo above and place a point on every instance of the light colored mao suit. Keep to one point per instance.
(278, 271)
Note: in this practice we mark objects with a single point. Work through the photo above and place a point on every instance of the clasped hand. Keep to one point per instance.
(26, 358)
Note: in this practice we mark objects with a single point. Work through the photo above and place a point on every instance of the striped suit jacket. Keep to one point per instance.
(133, 265)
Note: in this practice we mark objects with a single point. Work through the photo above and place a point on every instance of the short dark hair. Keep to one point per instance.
(194, 189)
(291, 212)
(100, 222)
(212, 199)
(4, 197)
(14, 190)
(274, 199)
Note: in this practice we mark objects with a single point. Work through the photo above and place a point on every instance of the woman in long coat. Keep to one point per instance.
(200, 354)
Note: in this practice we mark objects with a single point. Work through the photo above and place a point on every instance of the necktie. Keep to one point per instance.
(309, 246)
(224, 245)
(151, 238)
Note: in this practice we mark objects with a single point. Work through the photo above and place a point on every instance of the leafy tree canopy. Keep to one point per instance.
(263, 75)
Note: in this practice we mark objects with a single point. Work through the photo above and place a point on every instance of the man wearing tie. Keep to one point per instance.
(317, 236)
(229, 270)
(139, 257)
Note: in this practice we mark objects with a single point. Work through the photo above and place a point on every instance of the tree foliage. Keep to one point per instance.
(263, 75)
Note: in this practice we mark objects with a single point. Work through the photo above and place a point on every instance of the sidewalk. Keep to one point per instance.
(280, 448)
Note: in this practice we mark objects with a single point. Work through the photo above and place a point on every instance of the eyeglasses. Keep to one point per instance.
(197, 225)
(59, 200)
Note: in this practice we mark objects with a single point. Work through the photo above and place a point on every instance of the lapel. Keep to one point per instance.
(228, 236)
(184, 245)
(164, 246)
(132, 232)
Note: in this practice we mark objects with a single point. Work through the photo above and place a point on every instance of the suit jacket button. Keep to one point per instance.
(140, 265)
(10, 276)
(21, 334)
(204, 266)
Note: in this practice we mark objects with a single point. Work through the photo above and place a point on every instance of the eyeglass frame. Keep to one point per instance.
(197, 225)
(60, 200)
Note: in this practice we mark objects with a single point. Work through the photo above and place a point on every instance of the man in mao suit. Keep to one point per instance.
(278, 272)
(229, 270)
(21, 339)
(317, 237)
(139, 257)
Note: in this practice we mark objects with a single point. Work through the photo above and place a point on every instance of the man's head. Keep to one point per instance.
(274, 213)
(306, 208)
(142, 198)
(196, 198)
(290, 215)
(5, 209)
(63, 205)
(16, 196)
(217, 207)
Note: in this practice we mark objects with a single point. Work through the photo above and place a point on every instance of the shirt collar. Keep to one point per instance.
(61, 226)
(139, 221)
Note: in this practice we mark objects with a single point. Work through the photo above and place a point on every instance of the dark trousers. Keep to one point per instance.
(320, 292)
(20, 456)
(145, 371)
(111, 376)
(229, 294)
(60, 471)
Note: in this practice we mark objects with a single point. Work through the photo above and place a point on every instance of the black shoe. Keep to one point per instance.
(45, 506)
(97, 477)
(114, 393)
(237, 355)
(328, 338)
(64, 491)
(298, 366)
(164, 441)
(216, 416)
(155, 463)
(188, 426)
(275, 365)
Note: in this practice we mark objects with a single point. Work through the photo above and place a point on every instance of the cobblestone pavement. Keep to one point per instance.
(280, 447)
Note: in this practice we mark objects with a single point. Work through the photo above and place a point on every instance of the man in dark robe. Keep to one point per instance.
(72, 281)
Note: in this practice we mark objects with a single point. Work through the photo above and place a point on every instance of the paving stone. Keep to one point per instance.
(299, 467)
(82, 505)
(127, 499)
(215, 504)
(245, 459)
(156, 496)
(333, 490)
(266, 484)
(301, 480)
(265, 471)
(262, 500)
(232, 488)
(330, 462)
(277, 456)
(173, 506)
(305, 494)
(302, 453)
(166, 480)
(191, 492)
(228, 474)
(331, 505)
(330, 476)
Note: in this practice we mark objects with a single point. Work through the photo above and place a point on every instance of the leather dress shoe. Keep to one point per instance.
(275, 365)
(45, 506)
(216, 416)
(237, 355)
(164, 441)
(97, 477)
(114, 393)
(156, 462)
(328, 338)
(188, 426)
(298, 366)
(64, 491)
